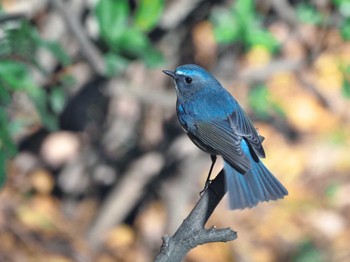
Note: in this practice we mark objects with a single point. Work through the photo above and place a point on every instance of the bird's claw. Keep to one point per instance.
(207, 183)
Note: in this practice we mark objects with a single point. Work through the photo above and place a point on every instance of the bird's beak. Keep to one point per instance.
(169, 73)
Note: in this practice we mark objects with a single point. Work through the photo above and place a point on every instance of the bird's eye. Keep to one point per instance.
(188, 80)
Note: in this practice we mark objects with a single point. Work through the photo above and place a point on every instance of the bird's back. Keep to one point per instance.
(208, 104)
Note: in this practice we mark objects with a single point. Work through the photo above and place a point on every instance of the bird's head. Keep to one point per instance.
(189, 79)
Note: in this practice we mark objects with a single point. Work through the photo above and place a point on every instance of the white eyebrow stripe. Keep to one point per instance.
(180, 73)
(184, 73)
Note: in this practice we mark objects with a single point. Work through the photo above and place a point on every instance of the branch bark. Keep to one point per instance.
(191, 232)
(88, 49)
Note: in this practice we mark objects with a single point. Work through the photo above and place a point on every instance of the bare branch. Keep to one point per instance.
(91, 53)
(191, 232)
(285, 11)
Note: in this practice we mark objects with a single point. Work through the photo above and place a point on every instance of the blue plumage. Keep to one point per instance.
(217, 124)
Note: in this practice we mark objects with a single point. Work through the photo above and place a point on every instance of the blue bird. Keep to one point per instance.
(215, 122)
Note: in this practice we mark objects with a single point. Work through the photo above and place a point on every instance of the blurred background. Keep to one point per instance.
(94, 164)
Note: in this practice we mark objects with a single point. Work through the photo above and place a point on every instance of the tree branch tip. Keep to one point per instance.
(166, 240)
(221, 234)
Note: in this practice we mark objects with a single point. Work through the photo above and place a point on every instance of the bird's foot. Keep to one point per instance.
(207, 183)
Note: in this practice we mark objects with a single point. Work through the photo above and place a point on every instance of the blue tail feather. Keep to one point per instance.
(257, 185)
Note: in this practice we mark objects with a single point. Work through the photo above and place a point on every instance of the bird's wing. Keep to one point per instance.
(242, 126)
(218, 135)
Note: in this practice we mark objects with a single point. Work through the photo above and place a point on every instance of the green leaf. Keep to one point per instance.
(56, 49)
(57, 99)
(3, 160)
(5, 96)
(7, 146)
(344, 7)
(346, 88)
(5, 47)
(338, 2)
(309, 14)
(331, 189)
(67, 80)
(153, 58)
(259, 101)
(226, 29)
(339, 136)
(13, 75)
(148, 13)
(244, 11)
(133, 42)
(21, 41)
(39, 98)
(244, 7)
(307, 252)
(6, 143)
(263, 38)
(16, 126)
(112, 18)
(277, 108)
(345, 29)
(115, 63)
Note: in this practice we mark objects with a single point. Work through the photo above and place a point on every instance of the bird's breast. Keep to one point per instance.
(183, 116)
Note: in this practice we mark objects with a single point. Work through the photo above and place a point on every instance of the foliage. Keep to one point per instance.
(125, 34)
(308, 14)
(344, 13)
(18, 60)
(308, 252)
(259, 101)
(346, 81)
(242, 23)
(346, 88)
